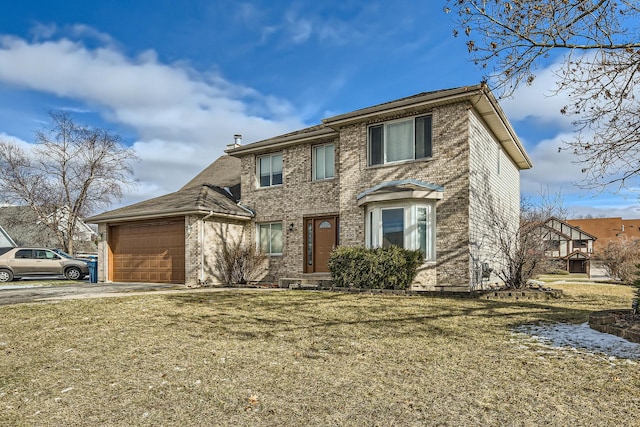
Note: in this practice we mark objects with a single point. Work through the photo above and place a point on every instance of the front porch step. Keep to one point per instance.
(314, 282)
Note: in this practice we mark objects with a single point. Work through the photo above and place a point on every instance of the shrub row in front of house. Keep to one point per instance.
(380, 268)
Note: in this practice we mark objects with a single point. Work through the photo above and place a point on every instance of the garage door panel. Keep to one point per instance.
(148, 252)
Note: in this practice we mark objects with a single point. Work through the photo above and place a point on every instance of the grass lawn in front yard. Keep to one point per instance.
(308, 358)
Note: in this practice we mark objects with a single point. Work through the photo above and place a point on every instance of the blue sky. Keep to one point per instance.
(177, 79)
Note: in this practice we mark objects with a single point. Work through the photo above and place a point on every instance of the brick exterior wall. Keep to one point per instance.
(297, 198)
(448, 167)
(464, 162)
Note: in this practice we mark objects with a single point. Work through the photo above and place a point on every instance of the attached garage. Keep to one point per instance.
(148, 251)
(174, 238)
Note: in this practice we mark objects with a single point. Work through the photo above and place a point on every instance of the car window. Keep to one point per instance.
(4, 250)
(40, 254)
(24, 253)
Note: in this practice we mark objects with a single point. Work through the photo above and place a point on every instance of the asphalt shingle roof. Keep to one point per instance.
(205, 193)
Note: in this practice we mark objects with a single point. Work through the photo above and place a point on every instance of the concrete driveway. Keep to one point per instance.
(23, 292)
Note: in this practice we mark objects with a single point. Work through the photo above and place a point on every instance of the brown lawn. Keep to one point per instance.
(307, 359)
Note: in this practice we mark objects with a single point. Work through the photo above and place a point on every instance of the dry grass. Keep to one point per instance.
(45, 282)
(306, 358)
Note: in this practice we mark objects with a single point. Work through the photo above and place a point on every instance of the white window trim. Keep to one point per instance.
(258, 176)
(258, 227)
(384, 138)
(313, 162)
(411, 238)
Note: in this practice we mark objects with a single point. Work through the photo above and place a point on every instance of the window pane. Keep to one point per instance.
(329, 160)
(276, 238)
(319, 165)
(264, 238)
(276, 169)
(393, 227)
(422, 232)
(375, 145)
(399, 141)
(423, 137)
(309, 242)
(265, 171)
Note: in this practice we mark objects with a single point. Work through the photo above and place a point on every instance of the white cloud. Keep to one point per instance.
(299, 29)
(24, 145)
(554, 167)
(184, 118)
(539, 101)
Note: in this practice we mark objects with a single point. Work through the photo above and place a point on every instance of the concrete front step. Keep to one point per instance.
(306, 282)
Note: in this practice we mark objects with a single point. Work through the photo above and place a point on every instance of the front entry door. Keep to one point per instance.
(321, 237)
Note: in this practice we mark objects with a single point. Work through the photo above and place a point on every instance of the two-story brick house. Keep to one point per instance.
(419, 172)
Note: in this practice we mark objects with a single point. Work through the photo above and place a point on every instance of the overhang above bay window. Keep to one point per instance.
(399, 190)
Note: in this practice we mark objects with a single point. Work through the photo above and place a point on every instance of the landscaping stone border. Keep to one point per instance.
(529, 294)
(616, 322)
(523, 294)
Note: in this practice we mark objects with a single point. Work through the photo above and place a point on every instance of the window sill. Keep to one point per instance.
(271, 186)
(401, 162)
(324, 180)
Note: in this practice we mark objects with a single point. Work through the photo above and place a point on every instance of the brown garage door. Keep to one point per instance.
(147, 252)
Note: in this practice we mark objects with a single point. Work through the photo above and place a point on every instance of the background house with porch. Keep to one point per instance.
(568, 244)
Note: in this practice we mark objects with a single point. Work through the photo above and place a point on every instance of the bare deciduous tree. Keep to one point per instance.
(600, 72)
(522, 246)
(620, 258)
(70, 171)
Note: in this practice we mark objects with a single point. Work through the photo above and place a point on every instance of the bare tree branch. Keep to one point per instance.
(600, 72)
(72, 171)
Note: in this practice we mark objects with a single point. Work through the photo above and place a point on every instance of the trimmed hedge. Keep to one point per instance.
(380, 268)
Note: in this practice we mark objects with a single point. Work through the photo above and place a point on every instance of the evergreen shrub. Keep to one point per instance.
(379, 268)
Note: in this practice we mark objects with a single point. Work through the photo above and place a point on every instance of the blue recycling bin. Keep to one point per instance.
(93, 270)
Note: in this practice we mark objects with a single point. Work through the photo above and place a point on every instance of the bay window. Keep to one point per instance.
(408, 225)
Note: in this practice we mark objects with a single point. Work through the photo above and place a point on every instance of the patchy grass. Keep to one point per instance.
(306, 358)
(45, 282)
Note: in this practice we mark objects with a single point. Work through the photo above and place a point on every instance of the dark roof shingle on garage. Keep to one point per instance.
(214, 190)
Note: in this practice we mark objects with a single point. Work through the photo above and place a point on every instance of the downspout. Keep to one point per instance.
(201, 242)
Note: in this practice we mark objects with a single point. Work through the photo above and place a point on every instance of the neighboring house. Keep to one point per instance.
(608, 230)
(27, 230)
(569, 245)
(420, 172)
(5, 239)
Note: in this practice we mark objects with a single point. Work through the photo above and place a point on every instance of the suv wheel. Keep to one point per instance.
(73, 273)
(6, 276)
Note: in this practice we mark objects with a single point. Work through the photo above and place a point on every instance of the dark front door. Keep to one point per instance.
(577, 266)
(321, 236)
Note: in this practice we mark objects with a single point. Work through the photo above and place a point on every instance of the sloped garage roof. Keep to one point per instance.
(209, 192)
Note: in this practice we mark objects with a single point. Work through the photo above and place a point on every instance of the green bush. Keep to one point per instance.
(380, 268)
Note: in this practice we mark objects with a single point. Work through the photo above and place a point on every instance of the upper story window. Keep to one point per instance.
(323, 162)
(270, 170)
(580, 244)
(400, 140)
